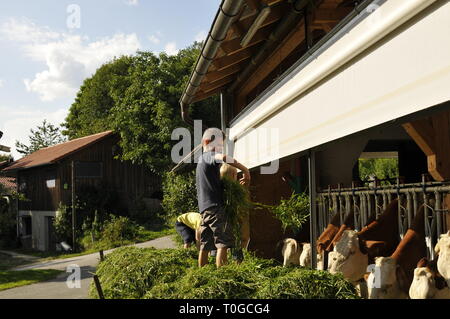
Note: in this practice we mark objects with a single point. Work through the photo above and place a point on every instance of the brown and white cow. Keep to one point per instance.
(397, 271)
(442, 250)
(354, 251)
(291, 252)
(305, 257)
(427, 282)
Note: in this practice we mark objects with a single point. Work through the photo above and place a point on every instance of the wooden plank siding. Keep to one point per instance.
(128, 180)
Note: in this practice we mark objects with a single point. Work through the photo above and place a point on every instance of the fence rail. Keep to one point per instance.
(368, 203)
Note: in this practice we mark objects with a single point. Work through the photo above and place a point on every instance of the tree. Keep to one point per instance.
(90, 112)
(6, 157)
(139, 99)
(44, 136)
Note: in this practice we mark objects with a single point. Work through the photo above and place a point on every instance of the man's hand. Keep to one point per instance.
(245, 180)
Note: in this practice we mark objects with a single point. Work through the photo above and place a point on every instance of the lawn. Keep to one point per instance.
(11, 279)
(144, 234)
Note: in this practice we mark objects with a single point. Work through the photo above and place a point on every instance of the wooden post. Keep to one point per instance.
(312, 208)
(73, 207)
(99, 287)
(102, 256)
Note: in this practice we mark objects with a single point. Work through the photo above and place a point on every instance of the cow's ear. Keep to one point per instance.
(366, 276)
(374, 247)
(437, 249)
(422, 263)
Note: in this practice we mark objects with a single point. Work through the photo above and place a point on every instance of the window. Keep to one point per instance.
(50, 179)
(89, 169)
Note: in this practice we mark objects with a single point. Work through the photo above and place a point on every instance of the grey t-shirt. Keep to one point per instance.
(209, 185)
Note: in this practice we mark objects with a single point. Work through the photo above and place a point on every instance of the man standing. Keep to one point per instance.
(215, 230)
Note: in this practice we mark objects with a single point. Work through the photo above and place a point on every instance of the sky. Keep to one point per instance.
(48, 47)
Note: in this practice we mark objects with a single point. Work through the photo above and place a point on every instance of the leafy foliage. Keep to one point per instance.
(44, 136)
(173, 273)
(138, 97)
(7, 223)
(381, 168)
(180, 194)
(237, 203)
(293, 212)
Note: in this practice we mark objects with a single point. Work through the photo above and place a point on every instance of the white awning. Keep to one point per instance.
(381, 72)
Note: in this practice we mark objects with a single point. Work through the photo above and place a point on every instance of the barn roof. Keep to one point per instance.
(52, 154)
(8, 182)
(227, 63)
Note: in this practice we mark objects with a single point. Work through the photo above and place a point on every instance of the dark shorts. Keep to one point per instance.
(187, 233)
(215, 230)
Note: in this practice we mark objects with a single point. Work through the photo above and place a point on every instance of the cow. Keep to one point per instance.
(305, 257)
(291, 252)
(427, 282)
(353, 251)
(328, 234)
(442, 249)
(397, 271)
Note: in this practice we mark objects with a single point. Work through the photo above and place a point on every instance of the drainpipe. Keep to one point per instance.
(229, 9)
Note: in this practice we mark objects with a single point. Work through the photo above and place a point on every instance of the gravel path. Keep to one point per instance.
(57, 288)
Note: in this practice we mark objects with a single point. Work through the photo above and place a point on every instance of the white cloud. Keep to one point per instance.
(132, 2)
(171, 48)
(1, 82)
(69, 58)
(154, 39)
(201, 36)
(17, 122)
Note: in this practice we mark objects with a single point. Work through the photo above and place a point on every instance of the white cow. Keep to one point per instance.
(424, 285)
(382, 281)
(442, 250)
(347, 258)
(305, 257)
(291, 252)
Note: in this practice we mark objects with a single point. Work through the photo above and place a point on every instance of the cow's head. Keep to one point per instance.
(423, 285)
(442, 250)
(347, 258)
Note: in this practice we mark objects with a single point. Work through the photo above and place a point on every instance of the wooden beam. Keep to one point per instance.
(422, 133)
(254, 4)
(238, 29)
(432, 135)
(441, 170)
(229, 60)
(218, 75)
(330, 15)
(233, 46)
(212, 86)
(294, 39)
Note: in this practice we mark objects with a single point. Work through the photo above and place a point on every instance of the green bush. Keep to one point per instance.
(115, 232)
(173, 273)
(7, 225)
(180, 194)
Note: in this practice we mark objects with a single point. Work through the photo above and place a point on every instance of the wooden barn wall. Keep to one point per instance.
(128, 180)
(39, 196)
(265, 230)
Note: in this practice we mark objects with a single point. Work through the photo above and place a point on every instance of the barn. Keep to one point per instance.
(52, 176)
(308, 87)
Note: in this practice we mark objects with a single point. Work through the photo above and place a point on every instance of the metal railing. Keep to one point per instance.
(368, 203)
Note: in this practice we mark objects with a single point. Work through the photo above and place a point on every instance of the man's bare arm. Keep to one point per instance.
(245, 180)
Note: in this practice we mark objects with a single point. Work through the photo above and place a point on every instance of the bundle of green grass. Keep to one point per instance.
(141, 273)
